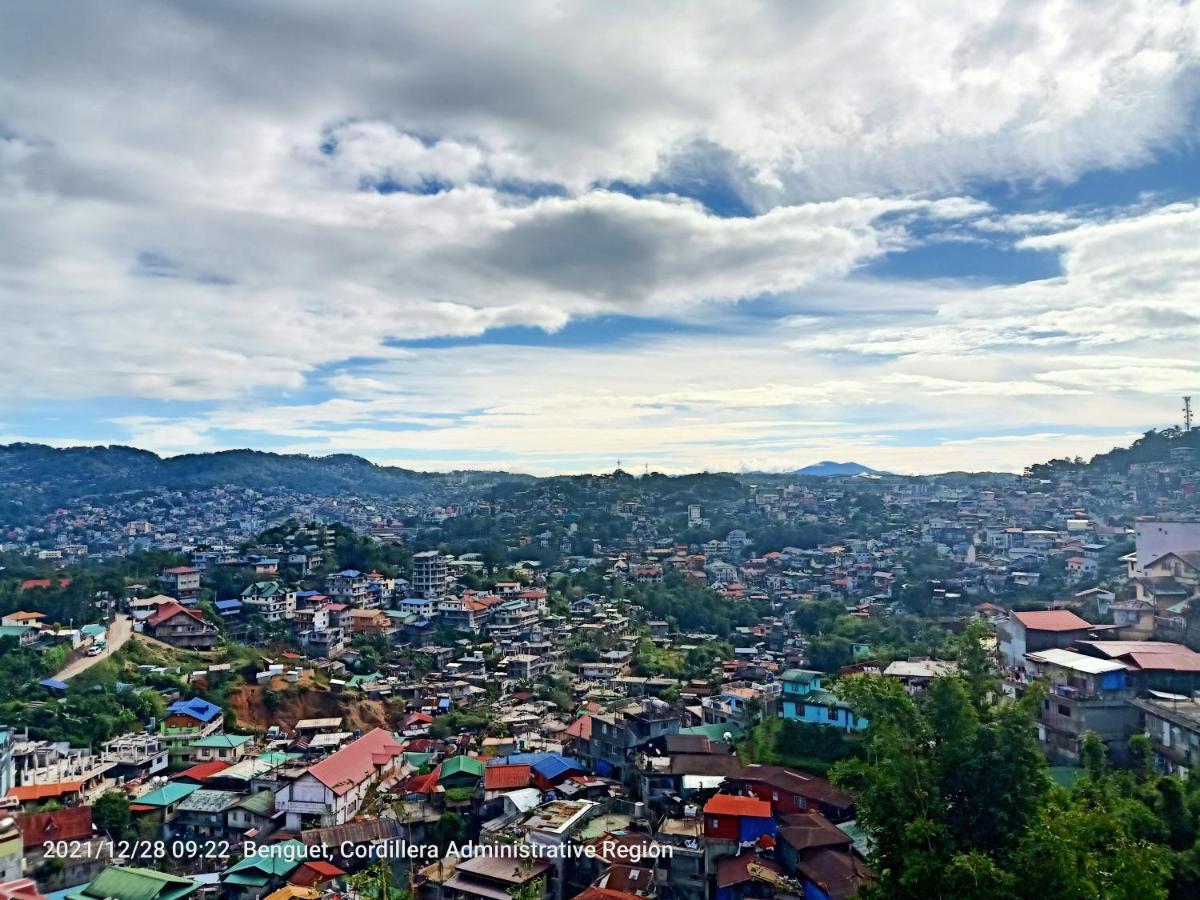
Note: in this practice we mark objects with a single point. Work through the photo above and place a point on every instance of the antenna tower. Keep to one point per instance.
(1187, 414)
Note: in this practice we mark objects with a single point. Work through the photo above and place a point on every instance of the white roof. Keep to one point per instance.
(1068, 659)
(920, 668)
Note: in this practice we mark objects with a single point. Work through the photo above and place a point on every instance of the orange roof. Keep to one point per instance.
(1052, 620)
(40, 791)
(581, 728)
(504, 778)
(729, 805)
(25, 616)
(356, 762)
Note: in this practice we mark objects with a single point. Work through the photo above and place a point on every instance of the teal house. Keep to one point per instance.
(805, 700)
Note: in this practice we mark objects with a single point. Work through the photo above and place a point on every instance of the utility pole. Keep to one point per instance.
(1187, 414)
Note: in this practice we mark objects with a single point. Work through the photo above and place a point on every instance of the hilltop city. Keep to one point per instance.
(242, 676)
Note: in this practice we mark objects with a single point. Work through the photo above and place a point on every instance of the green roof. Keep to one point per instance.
(131, 883)
(222, 741)
(356, 680)
(804, 676)
(461, 764)
(825, 698)
(14, 630)
(416, 760)
(272, 859)
(171, 792)
(263, 589)
(261, 802)
(715, 732)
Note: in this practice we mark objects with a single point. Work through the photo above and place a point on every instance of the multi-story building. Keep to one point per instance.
(349, 586)
(271, 600)
(182, 583)
(331, 791)
(803, 699)
(431, 575)
(1085, 694)
(1173, 725)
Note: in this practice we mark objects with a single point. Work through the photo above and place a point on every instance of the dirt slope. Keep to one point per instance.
(306, 701)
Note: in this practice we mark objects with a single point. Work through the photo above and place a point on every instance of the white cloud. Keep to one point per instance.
(187, 214)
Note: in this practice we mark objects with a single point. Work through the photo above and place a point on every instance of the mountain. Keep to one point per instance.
(36, 477)
(827, 468)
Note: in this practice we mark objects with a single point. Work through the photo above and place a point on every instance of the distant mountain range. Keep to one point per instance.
(829, 468)
(36, 477)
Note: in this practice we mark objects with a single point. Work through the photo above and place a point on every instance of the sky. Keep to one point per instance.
(545, 236)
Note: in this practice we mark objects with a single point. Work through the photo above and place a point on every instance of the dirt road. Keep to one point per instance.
(118, 634)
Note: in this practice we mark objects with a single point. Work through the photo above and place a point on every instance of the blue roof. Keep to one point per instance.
(308, 593)
(444, 703)
(197, 708)
(228, 604)
(554, 765)
(350, 573)
(532, 759)
(53, 683)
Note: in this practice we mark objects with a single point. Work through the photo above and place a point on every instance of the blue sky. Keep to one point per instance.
(543, 238)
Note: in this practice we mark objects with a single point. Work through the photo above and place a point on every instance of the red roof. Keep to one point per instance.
(595, 893)
(181, 570)
(423, 784)
(21, 889)
(505, 778)
(71, 824)
(314, 872)
(203, 771)
(1052, 620)
(356, 762)
(170, 610)
(729, 805)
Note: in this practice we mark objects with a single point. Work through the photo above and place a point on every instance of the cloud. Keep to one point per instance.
(257, 211)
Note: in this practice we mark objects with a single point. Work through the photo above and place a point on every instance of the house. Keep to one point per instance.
(264, 869)
(228, 748)
(182, 583)
(803, 699)
(1085, 695)
(460, 772)
(1026, 632)
(187, 721)
(737, 819)
(790, 791)
(349, 586)
(178, 626)
(332, 790)
(271, 600)
(1172, 722)
(497, 875)
(132, 883)
(159, 806)
(915, 674)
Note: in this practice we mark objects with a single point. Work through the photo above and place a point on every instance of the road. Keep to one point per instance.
(118, 634)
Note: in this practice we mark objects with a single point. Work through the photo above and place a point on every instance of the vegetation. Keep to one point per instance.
(954, 793)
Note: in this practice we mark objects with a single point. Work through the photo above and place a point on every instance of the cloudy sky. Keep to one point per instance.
(543, 236)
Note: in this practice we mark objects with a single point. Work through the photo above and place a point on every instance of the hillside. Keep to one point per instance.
(34, 477)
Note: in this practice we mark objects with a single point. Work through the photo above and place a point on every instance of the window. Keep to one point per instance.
(1064, 710)
(831, 712)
